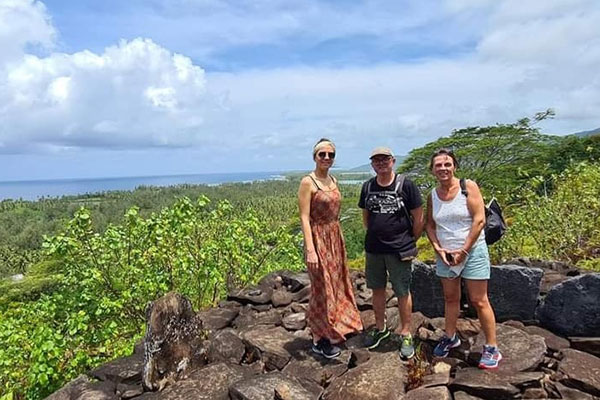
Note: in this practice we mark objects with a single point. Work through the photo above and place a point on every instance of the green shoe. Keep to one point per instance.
(375, 336)
(407, 347)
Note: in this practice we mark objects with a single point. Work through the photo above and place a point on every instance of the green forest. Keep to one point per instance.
(92, 263)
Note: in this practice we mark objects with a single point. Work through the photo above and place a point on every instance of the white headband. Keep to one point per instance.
(322, 144)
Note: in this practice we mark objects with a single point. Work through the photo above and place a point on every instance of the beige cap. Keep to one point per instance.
(382, 151)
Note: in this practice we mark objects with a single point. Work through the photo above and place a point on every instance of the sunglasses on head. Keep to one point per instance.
(322, 154)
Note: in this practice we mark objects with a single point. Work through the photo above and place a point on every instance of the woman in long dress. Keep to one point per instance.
(332, 313)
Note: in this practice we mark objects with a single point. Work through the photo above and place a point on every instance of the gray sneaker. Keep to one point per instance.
(407, 347)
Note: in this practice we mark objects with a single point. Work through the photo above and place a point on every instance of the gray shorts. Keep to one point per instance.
(380, 266)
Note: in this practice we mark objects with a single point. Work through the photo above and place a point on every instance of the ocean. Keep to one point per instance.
(34, 190)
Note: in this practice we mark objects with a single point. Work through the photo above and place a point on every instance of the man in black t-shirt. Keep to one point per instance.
(393, 217)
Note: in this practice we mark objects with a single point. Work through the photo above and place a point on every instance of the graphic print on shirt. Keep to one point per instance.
(383, 203)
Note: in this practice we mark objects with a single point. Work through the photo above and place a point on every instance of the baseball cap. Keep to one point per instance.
(382, 151)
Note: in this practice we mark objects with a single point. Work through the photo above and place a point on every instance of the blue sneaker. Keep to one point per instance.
(490, 357)
(443, 347)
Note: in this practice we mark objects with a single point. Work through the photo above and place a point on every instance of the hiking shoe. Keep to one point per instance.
(375, 336)
(326, 349)
(407, 347)
(443, 347)
(490, 357)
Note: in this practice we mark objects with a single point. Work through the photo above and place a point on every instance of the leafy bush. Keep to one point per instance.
(560, 226)
(106, 280)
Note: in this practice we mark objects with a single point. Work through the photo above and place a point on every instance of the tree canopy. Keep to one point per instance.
(496, 157)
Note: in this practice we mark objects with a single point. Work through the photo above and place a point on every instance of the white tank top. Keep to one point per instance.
(453, 221)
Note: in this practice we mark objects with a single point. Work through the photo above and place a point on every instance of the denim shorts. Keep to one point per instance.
(380, 265)
(477, 265)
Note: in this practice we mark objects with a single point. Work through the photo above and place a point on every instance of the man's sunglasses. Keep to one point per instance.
(383, 159)
(322, 154)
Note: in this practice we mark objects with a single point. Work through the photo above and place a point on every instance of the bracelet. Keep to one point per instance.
(464, 251)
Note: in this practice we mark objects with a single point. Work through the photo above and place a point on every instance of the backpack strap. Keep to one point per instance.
(400, 178)
(399, 183)
(369, 183)
(463, 187)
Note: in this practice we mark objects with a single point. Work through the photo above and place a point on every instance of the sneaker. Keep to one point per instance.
(407, 347)
(443, 347)
(375, 336)
(326, 349)
(490, 357)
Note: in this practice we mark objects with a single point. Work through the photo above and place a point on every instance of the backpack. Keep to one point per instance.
(398, 190)
(494, 222)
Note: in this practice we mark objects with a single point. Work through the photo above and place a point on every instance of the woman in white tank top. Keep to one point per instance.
(455, 228)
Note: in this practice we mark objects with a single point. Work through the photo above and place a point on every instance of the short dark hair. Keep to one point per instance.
(443, 152)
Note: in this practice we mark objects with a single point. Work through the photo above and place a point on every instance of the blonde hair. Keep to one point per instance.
(322, 143)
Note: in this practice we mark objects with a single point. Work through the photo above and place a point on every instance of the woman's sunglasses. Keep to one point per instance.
(322, 154)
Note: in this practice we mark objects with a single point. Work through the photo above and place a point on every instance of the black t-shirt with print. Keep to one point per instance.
(388, 229)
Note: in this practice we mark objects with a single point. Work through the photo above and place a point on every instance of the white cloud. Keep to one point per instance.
(525, 57)
(135, 94)
(23, 22)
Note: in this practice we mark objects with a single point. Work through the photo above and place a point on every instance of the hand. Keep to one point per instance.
(445, 255)
(311, 258)
(458, 256)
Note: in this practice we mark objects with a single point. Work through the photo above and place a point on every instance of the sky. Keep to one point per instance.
(159, 87)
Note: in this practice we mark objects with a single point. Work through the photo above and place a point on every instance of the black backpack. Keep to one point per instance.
(398, 190)
(494, 222)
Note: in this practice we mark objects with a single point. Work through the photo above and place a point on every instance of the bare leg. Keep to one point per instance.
(379, 307)
(405, 311)
(479, 299)
(451, 304)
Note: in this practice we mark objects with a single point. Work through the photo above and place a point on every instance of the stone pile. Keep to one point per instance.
(255, 345)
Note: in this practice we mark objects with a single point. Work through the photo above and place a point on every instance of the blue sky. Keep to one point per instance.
(125, 88)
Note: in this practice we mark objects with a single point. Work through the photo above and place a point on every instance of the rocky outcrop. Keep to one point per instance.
(255, 345)
(555, 272)
(173, 342)
(426, 289)
(520, 351)
(587, 344)
(513, 291)
(210, 383)
(572, 308)
(376, 379)
(581, 371)
(83, 388)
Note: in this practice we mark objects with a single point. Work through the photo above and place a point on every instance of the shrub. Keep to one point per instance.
(560, 226)
(97, 311)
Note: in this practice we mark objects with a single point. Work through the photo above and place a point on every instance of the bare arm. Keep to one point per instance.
(304, 196)
(430, 230)
(418, 223)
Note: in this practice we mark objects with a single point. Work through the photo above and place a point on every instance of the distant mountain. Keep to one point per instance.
(361, 168)
(367, 167)
(588, 133)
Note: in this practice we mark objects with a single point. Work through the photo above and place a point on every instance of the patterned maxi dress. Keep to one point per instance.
(332, 311)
